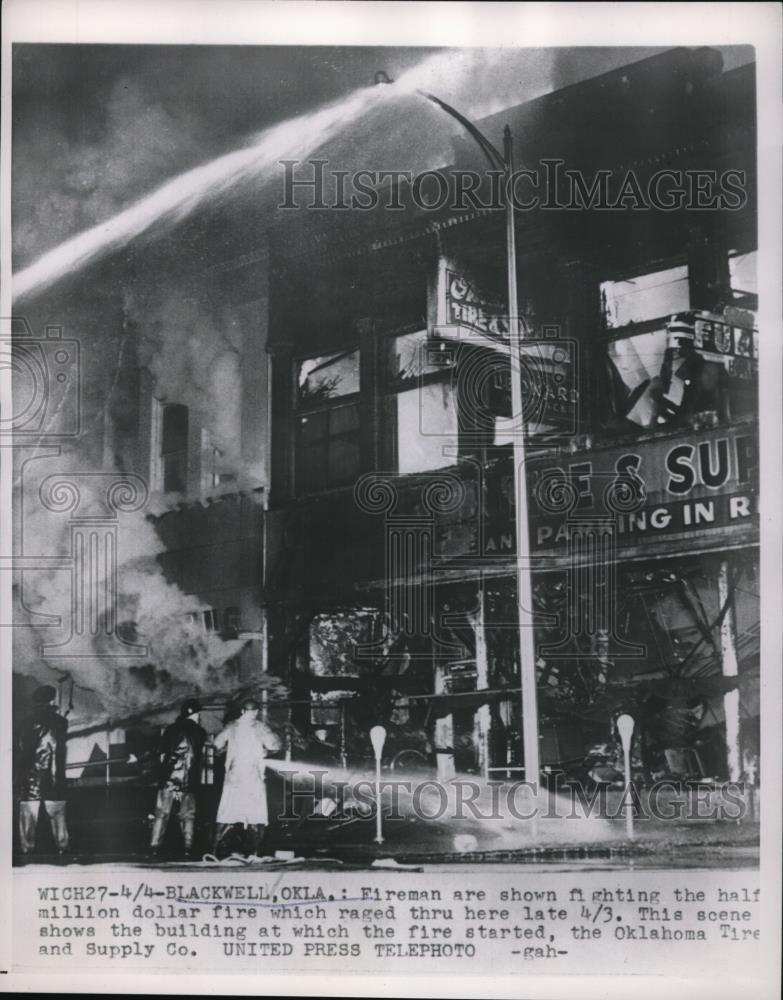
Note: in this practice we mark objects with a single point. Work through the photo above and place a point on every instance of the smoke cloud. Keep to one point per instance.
(112, 145)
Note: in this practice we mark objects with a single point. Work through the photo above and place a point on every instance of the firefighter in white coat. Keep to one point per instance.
(246, 741)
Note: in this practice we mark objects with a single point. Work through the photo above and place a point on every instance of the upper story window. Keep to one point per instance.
(328, 376)
(232, 620)
(327, 421)
(650, 369)
(447, 397)
(174, 448)
(209, 620)
(420, 408)
(744, 283)
(649, 296)
(215, 473)
(669, 365)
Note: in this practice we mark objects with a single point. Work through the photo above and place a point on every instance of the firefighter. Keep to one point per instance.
(41, 757)
(243, 800)
(180, 775)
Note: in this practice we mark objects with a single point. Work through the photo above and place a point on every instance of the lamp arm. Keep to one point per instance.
(496, 160)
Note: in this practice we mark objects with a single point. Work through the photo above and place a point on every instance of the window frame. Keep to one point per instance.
(300, 408)
(628, 331)
(391, 386)
(632, 329)
(164, 457)
(745, 300)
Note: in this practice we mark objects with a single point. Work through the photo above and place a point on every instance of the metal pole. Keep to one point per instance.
(378, 738)
(527, 652)
(729, 668)
(527, 648)
(625, 725)
(343, 746)
(264, 613)
(378, 815)
(483, 716)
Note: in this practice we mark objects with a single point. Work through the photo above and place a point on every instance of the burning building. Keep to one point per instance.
(280, 452)
(140, 491)
(392, 495)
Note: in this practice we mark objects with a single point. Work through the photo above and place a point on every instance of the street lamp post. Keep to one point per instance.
(504, 162)
(625, 724)
(378, 738)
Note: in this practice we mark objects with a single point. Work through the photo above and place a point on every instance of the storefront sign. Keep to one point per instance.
(654, 520)
(466, 308)
(718, 340)
(704, 483)
(548, 361)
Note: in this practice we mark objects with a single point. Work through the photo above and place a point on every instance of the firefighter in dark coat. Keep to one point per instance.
(41, 762)
(180, 777)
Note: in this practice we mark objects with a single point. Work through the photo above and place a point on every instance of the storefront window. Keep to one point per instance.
(675, 691)
(327, 422)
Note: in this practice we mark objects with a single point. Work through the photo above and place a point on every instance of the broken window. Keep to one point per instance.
(654, 295)
(744, 284)
(420, 406)
(668, 365)
(327, 422)
(328, 376)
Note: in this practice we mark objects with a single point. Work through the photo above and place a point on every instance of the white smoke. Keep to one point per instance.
(181, 655)
(477, 82)
(194, 355)
(195, 358)
(179, 197)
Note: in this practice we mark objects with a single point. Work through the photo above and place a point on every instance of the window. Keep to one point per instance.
(648, 371)
(216, 474)
(208, 620)
(174, 448)
(743, 365)
(420, 406)
(548, 392)
(742, 271)
(682, 366)
(328, 377)
(327, 422)
(645, 297)
(232, 621)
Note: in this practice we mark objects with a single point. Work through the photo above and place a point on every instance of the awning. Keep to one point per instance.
(363, 684)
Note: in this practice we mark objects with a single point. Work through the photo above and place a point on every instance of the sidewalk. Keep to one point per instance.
(571, 839)
(686, 842)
